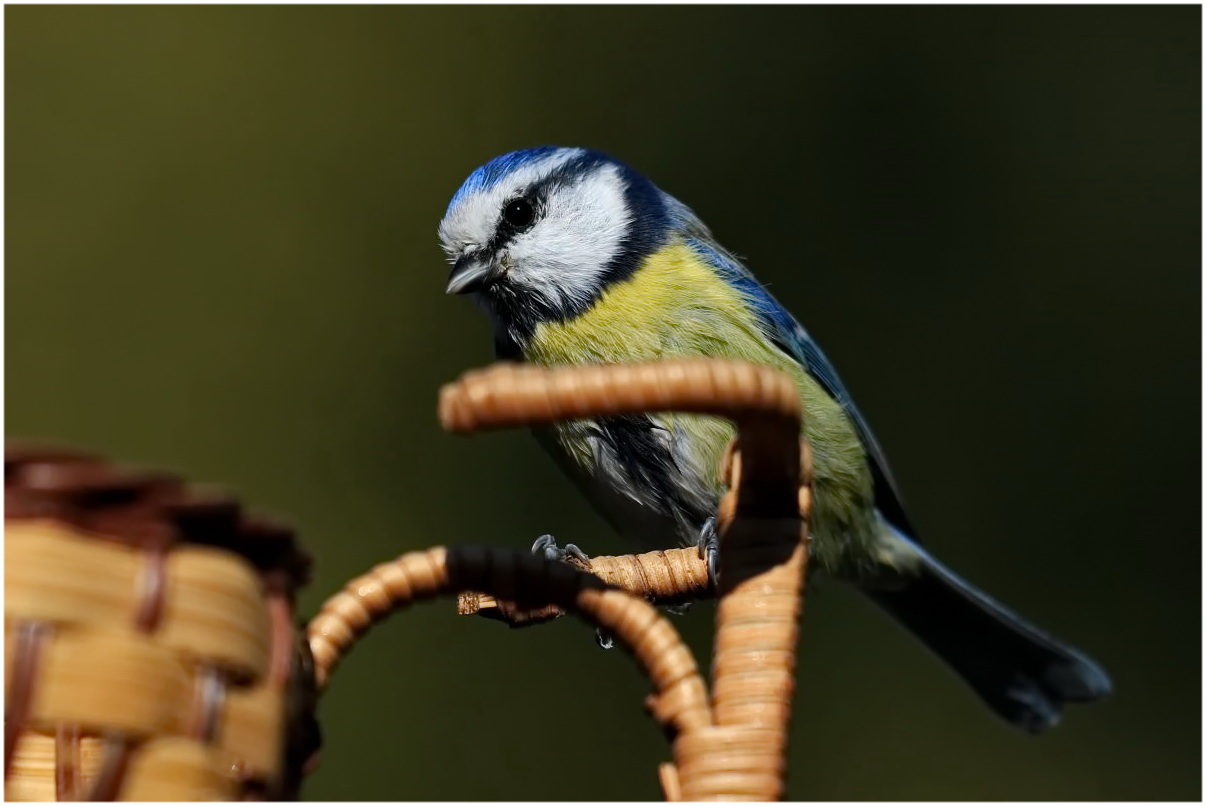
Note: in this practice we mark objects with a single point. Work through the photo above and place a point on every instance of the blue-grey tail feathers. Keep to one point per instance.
(1022, 673)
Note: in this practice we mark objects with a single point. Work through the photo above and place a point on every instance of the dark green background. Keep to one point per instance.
(221, 257)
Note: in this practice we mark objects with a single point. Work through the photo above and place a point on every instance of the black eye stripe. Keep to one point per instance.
(518, 215)
(536, 196)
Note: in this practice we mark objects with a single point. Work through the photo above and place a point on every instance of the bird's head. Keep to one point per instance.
(539, 234)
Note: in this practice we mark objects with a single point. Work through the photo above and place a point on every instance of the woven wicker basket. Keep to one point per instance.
(150, 645)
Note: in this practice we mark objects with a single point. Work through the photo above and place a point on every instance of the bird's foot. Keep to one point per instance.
(709, 549)
(546, 546)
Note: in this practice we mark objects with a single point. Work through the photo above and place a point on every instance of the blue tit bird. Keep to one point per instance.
(578, 259)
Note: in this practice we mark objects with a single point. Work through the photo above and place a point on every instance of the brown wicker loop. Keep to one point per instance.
(733, 749)
(532, 581)
(761, 519)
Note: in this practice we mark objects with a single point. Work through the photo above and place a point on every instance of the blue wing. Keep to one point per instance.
(791, 337)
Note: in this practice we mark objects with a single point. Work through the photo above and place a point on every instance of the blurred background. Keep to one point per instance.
(221, 257)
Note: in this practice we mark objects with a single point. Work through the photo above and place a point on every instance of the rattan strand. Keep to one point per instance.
(510, 395)
(666, 577)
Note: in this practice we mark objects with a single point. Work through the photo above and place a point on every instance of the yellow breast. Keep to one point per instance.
(675, 305)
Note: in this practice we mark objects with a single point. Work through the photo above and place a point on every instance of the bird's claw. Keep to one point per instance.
(546, 546)
(709, 549)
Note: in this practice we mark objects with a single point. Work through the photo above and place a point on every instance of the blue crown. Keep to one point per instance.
(490, 174)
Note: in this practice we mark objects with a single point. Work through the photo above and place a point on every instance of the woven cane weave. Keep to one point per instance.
(150, 648)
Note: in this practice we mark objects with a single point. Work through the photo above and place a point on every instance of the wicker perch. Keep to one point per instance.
(732, 744)
(151, 651)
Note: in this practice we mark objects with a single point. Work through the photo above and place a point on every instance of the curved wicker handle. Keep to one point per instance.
(736, 747)
(680, 701)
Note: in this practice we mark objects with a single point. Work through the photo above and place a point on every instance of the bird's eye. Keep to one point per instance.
(519, 213)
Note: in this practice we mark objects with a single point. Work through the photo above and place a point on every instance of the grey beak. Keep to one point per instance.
(469, 274)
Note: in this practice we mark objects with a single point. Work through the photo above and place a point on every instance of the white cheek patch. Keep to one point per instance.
(581, 230)
(470, 225)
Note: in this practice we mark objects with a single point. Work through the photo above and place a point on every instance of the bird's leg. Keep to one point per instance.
(546, 546)
(709, 549)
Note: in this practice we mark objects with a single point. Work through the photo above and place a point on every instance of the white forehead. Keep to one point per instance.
(474, 211)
